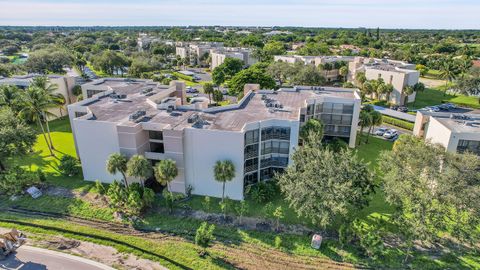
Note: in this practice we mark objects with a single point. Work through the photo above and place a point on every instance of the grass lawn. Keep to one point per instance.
(63, 142)
(433, 74)
(435, 97)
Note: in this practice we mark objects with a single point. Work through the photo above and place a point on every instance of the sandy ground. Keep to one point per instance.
(103, 254)
(431, 83)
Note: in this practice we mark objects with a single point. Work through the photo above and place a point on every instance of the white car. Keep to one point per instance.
(381, 131)
(390, 134)
(433, 109)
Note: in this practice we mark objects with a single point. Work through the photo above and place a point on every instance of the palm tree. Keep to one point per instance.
(34, 107)
(165, 171)
(407, 91)
(368, 88)
(117, 163)
(448, 73)
(375, 120)
(365, 119)
(208, 89)
(138, 166)
(388, 91)
(55, 100)
(9, 97)
(343, 71)
(418, 87)
(224, 171)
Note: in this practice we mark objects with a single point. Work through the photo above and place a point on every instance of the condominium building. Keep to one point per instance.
(397, 73)
(258, 134)
(196, 52)
(64, 85)
(331, 74)
(219, 55)
(456, 132)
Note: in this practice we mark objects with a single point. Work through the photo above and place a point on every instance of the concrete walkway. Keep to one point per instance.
(395, 114)
(32, 258)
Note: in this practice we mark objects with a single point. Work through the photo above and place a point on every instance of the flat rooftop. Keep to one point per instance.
(253, 107)
(458, 122)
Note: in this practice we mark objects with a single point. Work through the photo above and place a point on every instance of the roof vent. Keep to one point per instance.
(136, 115)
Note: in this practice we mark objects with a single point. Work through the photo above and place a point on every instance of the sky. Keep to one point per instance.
(413, 14)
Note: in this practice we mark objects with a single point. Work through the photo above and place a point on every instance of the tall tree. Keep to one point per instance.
(165, 171)
(448, 73)
(312, 131)
(34, 106)
(55, 100)
(16, 138)
(208, 89)
(343, 71)
(433, 191)
(224, 171)
(138, 166)
(375, 120)
(9, 96)
(117, 163)
(347, 179)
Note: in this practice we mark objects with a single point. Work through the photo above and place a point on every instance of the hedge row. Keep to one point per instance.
(183, 76)
(397, 122)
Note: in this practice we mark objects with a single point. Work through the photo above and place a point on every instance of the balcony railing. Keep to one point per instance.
(273, 163)
(251, 168)
(251, 153)
(267, 137)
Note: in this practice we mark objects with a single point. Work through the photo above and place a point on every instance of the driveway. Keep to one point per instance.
(202, 74)
(32, 258)
(395, 114)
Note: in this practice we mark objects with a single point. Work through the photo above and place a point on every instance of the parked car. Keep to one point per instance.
(390, 134)
(381, 131)
(451, 106)
(394, 107)
(432, 109)
(444, 107)
(191, 90)
(402, 109)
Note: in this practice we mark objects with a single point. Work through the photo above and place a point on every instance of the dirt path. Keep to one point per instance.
(103, 254)
(240, 255)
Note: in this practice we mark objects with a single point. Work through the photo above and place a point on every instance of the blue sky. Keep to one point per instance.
(435, 14)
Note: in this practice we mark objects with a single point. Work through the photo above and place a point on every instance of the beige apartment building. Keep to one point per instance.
(258, 134)
(456, 132)
(64, 86)
(196, 52)
(219, 55)
(397, 73)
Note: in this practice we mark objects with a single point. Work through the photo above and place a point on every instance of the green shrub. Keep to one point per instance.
(204, 235)
(206, 204)
(132, 200)
(262, 192)
(69, 166)
(183, 76)
(99, 187)
(15, 180)
(397, 122)
(278, 242)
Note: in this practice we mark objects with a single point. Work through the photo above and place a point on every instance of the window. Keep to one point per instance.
(347, 109)
(468, 146)
(250, 179)
(277, 133)
(346, 120)
(251, 150)
(337, 108)
(155, 135)
(336, 119)
(251, 136)
(251, 165)
(79, 114)
(310, 108)
(157, 147)
(302, 118)
(327, 107)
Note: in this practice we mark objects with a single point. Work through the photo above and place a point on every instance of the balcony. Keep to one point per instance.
(251, 168)
(285, 137)
(251, 154)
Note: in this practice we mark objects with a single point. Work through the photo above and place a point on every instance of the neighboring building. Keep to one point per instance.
(330, 75)
(259, 134)
(64, 85)
(456, 132)
(196, 52)
(276, 32)
(219, 55)
(398, 73)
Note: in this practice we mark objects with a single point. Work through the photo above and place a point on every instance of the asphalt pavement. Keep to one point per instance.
(32, 258)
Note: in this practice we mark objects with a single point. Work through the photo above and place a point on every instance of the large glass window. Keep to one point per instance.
(310, 108)
(251, 165)
(251, 150)
(468, 146)
(347, 109)
(337, 108)
(251, 136)
(278, 133)
(250, 179)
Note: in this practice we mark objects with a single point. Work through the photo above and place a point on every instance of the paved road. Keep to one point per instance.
(31, 258)
(396, 114)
